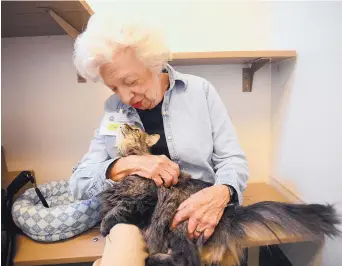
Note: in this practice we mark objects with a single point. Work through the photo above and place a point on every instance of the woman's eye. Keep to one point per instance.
(132, 82)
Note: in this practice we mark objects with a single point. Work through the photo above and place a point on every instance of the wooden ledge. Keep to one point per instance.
(86, 247)
(229, 57)
(89, 246)
(254, 60)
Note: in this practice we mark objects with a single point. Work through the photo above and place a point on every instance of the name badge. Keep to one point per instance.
(112, 121)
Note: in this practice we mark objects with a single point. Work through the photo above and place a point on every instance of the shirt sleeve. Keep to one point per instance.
(89, 175)
(230, 163)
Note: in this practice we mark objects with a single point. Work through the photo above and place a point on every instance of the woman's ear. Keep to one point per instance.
(152, 139)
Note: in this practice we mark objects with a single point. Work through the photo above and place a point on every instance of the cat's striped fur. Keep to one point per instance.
(138, 201)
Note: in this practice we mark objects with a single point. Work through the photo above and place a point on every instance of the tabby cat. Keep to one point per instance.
(138, 201)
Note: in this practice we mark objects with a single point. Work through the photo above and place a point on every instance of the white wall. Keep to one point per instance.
(48, 118)
(190, 25)
(307, 107)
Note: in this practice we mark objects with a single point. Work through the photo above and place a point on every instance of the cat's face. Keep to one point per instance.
(132, 140)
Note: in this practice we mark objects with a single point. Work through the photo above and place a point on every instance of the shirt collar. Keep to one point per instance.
(175, 76)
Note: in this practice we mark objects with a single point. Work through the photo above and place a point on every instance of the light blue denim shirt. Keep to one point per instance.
(199, 133)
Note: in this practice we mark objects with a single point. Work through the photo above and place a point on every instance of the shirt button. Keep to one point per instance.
(169, 138)
(164, 113)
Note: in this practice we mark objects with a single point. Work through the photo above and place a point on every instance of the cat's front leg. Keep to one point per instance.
(183, 251)
(159, 228)
(130, 211)
(116, 215)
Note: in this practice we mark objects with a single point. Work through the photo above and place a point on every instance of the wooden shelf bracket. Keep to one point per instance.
(248, 73)
(69, 29)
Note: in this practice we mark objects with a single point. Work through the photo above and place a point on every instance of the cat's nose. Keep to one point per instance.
(124, 128)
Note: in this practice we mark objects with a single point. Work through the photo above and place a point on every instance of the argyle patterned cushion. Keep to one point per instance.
(64, 219)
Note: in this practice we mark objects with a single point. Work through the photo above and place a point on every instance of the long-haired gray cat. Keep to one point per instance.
(137, 200)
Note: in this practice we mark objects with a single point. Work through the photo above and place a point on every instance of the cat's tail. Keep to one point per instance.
(268, 220)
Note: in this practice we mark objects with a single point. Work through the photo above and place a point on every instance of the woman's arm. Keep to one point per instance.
(118, 170)
(97, 171)
(204, 209)
(230, 163)
(89, 176)
(161, 169)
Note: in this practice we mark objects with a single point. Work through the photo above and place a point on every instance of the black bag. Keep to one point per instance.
(8, 228)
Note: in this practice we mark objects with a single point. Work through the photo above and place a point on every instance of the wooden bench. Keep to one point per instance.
(88, 246)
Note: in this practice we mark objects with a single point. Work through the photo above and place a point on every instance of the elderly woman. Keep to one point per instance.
(196, 132)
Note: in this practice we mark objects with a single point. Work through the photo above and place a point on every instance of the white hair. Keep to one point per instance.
(103, 37)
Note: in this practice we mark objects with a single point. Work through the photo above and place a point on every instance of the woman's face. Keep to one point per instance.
(132, 81)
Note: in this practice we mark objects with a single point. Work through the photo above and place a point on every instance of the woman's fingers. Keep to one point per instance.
(208, 232)
(173, 169)
(157, 180)
(167, 178)
(167, 169)
(175, 180)
(174, 175)
(198, 233)
(192, 225)
(174, 166)
(159, 168)
(197, 225)
(181, 216)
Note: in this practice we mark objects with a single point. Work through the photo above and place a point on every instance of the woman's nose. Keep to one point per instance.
(127, 97)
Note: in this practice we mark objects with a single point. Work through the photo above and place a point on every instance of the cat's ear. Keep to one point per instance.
(152, 139)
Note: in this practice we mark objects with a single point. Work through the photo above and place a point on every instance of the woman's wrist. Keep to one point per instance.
(225, 192)
(123, 167)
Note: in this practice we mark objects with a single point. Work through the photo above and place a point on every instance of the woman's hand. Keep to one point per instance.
(204, 210)
(161, 169)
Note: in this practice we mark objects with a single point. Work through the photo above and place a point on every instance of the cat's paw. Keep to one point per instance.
(104, 231)
(105, 228)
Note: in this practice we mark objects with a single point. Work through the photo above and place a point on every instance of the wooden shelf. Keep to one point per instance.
(254, 60)
(17, 15)
(229, 57)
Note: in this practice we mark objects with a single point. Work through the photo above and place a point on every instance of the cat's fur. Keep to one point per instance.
(137, 200)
